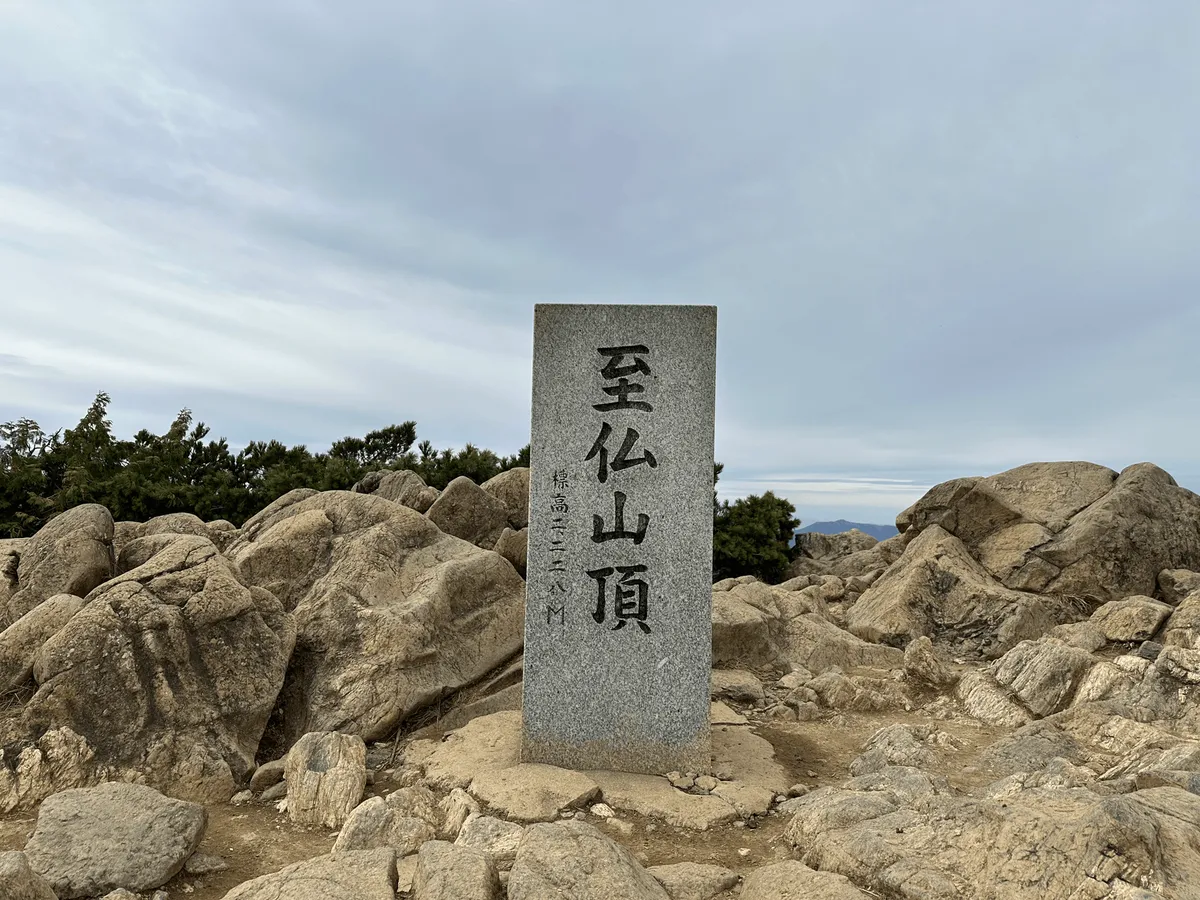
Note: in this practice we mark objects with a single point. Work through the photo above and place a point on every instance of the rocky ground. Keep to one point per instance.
(1000, 702)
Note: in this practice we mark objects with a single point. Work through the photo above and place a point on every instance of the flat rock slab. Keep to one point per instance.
(792, 880)
(694, 881)
(531, 792)
(483, 745)
(654, 797)
(90, 841)
(19, 882)
(360, 874)
(720, 714)
(495, 837)
(573, 859)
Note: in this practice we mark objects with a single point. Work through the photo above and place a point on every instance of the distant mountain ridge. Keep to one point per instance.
(880, 532)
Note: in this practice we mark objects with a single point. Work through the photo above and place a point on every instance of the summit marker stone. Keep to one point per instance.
(618, 633)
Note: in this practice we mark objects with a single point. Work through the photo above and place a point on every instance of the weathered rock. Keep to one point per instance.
(816, 644)
(694, 881)
(405, 487)
(326, 773)
(1043, 674)
(201, 864)
(531, 792)
(833, 546)
(913, 746)
(267, 775)
(448, 871)
(1084, 635)
(1036, 845)
(21, 641)
(221, 533)
(745, 626)
(1175, 584)
(859, 693)
(19, 882)
(495, 838)
(984, 699)
(90, 841)
(1182, 628)
(392, 613)
(514, 546)
(357, 874)
(467, 511)
(573, 859)
(1131, 619)
(792, 880)
(71, 554)
(58, 760)
(374, 823)
(170, 671)
(937, 589)
(511, 488)
(737, 685)
(923, 665)
(456, 807)
(486, 744)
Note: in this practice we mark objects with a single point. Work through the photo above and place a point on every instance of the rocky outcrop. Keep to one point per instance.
(405, 487)
(71, 554)
(391, 612)
(361, 874)
(467, 511)
(21, 641)
(94, 840)
(831, 547)
(169, 672)
(511, 488)
(448, 871)
(573, 859)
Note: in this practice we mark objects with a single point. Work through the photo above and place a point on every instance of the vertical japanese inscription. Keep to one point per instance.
(556, 548)
(623, 587)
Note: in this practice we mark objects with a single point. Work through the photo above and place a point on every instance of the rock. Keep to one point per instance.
(737, 685)
(19, 882)
(694, 881)
(863, 562)
(357, 874)
(818, 645)
(913, 746)
(326, 773)
(792, 880)
(374, 824)
(1182, 628)
(273, 793)
(923, 665)
(1131, 619)
(1175, 584)
(857, 693)
(267, 775)
(456, 807)
(514, 546)
(71, 554)
(495, 838)
(830, 547)
(467, 511)
(57, 761)
(169, 672)
(1043, 674)
(511, 488)
(984, 699)
(392, 614)
(201, 864)
(452, 872)
(21, 641)
(486, 744)
(1084, 635)
(405, 487)
(656, 798)
(573, 859)
(745, 626)
(89, 841)
(937, 588)
(220, 533)
(532, 792)
(720, 714)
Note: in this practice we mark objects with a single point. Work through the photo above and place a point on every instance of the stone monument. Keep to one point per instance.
(618, 616)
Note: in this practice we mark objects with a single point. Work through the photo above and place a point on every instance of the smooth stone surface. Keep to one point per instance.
(532, 792)
(694, 881)
(617, 660)
(792, 880)
(360, 874)
(574, 860)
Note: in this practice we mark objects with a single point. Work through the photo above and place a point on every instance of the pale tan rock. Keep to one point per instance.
(532, 792)
(404, 486)
(19, 882)
(833, 546)
(511, 488)
(21, 641)
(357, 874)
(573, 859)
(654, 797)
(818, 645)
(326, 773)
(1084, 635)
(267, 775)
(1043, 674)
(1175, 584)
(924, 666)
(71, 554)
(736, 684)
(694, 881)
(375, 823)
(495, 838)
(984, 699)
(467, 511)
(1132, 619)
(486, 744)
(59, 760)
(169, 672)
(792, 880)
(514, 546)
(1182, 628)
(392, 613)
(455, 808)
(721, 714)
(448, 871)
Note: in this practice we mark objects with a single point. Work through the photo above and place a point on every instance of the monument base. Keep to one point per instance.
(621, 756)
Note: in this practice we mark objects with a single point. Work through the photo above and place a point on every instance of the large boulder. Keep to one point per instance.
(169, 672)
(815, 545)
(573, 859)
(391, 612)
(1069, 528)
(939, 590)
(326, 774)
(448, 871)
(1183, 627)
(511, 488)
(93, 840)
(467, 511)
(21, 641)
(405, 487)
(71, 554)
(357, 874)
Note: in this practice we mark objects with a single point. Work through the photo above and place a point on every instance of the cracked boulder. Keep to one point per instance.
(391, 612)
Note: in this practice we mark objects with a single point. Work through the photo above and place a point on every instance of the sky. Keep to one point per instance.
(943, 239)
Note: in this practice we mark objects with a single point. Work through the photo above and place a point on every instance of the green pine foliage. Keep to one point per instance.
(753, 536)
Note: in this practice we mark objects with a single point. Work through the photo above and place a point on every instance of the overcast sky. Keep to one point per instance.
(944, 238)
